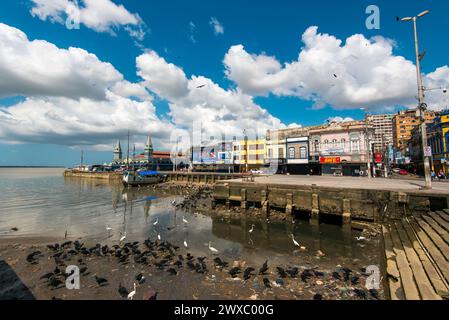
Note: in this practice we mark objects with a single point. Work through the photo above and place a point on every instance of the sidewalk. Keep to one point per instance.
(353, 183)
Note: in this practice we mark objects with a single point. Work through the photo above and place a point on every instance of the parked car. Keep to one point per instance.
(403, 172)
(396, 170)
(254, 171)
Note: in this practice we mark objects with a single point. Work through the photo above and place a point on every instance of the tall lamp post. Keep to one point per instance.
(367, 144)
(422, 106)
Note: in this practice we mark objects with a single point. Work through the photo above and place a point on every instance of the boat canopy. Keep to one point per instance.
(148, 173)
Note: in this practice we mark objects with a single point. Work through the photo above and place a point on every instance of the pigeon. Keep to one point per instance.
(264, 267)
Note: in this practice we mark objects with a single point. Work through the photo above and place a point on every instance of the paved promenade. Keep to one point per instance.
(353, 183)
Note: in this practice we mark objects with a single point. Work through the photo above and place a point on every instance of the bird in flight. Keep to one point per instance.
(201, 86)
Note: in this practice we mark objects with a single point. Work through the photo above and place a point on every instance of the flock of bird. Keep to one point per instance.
(167, 257)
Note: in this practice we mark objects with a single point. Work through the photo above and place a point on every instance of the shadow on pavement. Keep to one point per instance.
(11, 287)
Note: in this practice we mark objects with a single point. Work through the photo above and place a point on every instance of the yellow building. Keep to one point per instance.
(249, 152)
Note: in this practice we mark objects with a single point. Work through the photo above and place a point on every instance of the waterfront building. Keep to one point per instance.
(155, 160)
(341, 147)
(298, 155)
(404, 124)
(383, 131)
(437, 139)
(249, 153)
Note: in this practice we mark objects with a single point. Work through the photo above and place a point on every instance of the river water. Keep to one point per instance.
(42, 203)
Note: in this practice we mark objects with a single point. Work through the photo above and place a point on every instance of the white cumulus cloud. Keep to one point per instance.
(359, 72)
(98, 15)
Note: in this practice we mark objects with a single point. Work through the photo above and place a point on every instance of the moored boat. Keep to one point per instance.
(140, 178)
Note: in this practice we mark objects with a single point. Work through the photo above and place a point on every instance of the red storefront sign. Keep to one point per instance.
(330, 160)
(378, 157)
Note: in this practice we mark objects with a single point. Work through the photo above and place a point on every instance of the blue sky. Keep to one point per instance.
(267, 28)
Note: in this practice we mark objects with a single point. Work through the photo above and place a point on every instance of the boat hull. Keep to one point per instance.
(132, 180)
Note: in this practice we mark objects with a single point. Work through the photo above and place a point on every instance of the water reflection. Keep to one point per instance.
(51, 205)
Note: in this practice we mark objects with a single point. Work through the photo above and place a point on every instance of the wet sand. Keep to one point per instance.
(319, 275)
(215, 283)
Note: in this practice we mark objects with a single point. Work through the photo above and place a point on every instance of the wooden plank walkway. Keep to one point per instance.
(417, 257)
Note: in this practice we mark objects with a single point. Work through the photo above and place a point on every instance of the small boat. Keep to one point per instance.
(141, 178)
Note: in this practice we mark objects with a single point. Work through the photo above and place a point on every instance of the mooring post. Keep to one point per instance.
(264, 201)
(315, 216)
(289, 206)
(346, 211)
(243, 196)
(228, 202)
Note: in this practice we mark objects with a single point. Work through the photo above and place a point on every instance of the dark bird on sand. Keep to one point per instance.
(374, 293)
(247, 273)
(140, 278)
(47, 275)
(220, 263)
(101, 281)
(172, 271)
(266, 282)
(360, 293)
(31, 258)
(336, 275)
(292, 272)
(122, 291)
(234, 271)
(281, 272)
(354, 280)
(306, 274)
(264, 268)
(54, 282)
(83, 270)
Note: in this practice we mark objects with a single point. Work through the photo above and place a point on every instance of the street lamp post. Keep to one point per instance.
(422, 105)
(367, 144)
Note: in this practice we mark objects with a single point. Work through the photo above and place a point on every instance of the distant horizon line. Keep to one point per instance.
(1, 166)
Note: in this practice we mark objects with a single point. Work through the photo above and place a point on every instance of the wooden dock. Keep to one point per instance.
(417, 256)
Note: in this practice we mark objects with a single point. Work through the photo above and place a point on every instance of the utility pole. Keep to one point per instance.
(368, 160)
(82, 159)
(422, 106)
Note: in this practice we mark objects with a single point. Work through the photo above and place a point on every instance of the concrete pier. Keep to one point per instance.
(349, 198)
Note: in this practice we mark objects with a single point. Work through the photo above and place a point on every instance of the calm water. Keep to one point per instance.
(41, 202)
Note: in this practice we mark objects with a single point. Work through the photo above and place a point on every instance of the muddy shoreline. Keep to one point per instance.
(167, 269)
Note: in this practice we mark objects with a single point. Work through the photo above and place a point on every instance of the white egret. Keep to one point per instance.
(156, 222)
(185, 244)
(132, 293)
(212, 248)
(294, 241)
(108, 228)
(252, 229)
(123, 236)
(184, 220)
(159, 236)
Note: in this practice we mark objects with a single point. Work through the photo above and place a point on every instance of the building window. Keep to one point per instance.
(316, 146)
(343, 143)
(291, 153)
(270, 153)
(355, 145)
(303, 153)
(281, 153)
(334, 143)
